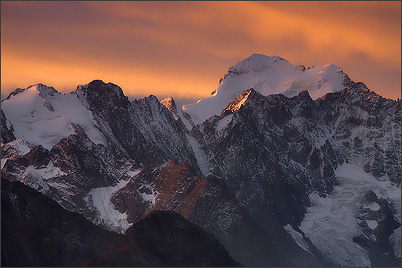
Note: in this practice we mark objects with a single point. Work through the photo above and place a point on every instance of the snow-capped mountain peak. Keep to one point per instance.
(258, 62)
(39, 89)
(41, 115)
(268, 75)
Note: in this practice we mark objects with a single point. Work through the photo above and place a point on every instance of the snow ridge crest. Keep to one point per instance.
(42, 90)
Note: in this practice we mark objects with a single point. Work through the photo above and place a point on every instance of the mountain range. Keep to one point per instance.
(283, 165)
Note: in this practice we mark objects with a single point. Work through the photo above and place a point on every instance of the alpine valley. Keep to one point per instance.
(282, 166)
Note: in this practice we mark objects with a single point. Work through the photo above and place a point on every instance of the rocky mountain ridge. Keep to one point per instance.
(258, 174)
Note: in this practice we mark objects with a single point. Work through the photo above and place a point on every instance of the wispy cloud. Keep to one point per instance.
(183, 48)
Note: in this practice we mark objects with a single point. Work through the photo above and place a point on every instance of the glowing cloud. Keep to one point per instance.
(183, 48)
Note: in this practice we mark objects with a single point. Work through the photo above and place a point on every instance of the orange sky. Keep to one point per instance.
(182, 49)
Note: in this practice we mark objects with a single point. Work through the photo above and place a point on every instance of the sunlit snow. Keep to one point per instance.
(267, 75)
(3, 161)
(46, 118)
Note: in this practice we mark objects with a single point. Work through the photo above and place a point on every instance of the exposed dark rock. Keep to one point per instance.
(36, 231)
(171, 186)
(103, 97)
(244, 239)
(376, 121)
(144, 129)
(375, 238)
(38, 156)
(175, 187)
(165, 238)
(6, 132)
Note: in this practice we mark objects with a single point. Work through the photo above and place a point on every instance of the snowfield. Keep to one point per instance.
(41, 115)
(101, 200)
(331, 222)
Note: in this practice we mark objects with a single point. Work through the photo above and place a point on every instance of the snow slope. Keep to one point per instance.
(41, 115)
(101, 200)
(331, 221)
(267, 75)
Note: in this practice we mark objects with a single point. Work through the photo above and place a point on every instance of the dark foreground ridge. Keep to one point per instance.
(36, 231)
(165, 238)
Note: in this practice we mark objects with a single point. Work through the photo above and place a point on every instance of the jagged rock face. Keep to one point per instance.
(274, 151)
(175, 187)
(69, 171)
(288, 147)
(263, 140)
(162, 132)
(165, 239)
(145, 129)
(106, 137)
(6, 131)
(169, 187)
(36, 231)
(365, 128)
(104, 97)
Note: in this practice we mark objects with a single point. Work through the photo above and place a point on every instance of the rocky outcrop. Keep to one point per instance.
(171, 186)
(377, 222)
